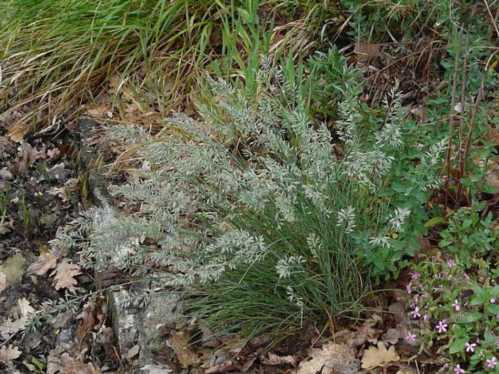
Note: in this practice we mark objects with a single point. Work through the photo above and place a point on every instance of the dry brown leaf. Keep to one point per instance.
(132, 352)
(18, 131)
(29, 155)
(45, 262)
(155, 369)
(9, 353)
(367, 51)
(54, 361)
(366, 332)
(73, 366)
(332, 358)
(392, 336)
(64, 275)
(9, 327)
(100, 111)
(179, 342)
(25, 309)
(276, 360)
(379, 356)
(12, 327)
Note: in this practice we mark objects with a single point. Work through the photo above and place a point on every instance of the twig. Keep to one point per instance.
(492, 18)
(472, 126)
(461, 127)
(451, 127)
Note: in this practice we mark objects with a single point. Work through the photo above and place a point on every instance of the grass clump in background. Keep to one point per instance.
(58, 54)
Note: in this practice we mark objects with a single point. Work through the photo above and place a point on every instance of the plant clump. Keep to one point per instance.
(257, 209)
(454, 295)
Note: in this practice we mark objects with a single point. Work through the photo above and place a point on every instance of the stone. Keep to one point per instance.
(5, 174)
(162, 313)
(125, 320)
(13, 269)
(141, 318)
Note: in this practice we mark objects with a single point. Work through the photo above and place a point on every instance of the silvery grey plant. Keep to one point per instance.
(251, 207)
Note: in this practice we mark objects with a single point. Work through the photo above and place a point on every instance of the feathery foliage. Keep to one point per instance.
(258, 212)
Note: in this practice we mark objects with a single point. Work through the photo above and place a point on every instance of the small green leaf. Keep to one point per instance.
(470, 317)
(434, 221)
(457, 345)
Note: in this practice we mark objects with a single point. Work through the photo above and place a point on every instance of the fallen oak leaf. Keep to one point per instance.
(276, 360)
(11, 327)
(379, 356)
(222, 368)
(331, 358)
(91, 316)
(155, 369)
(64, 275)
(45, 262)
(54, 361)
(180, 344)
(132, 352)
(25, 309)
(28, 155)
(74, 366)
(7, 354)
(392, 336)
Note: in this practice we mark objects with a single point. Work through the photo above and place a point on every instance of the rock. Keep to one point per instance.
(143, 323)
(125, 320)
(162, 313)
(155, 369)
(13, 269)
(65, 339)
(5, 174)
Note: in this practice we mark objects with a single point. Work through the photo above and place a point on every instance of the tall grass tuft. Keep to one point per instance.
(58, 53)
(268, 216)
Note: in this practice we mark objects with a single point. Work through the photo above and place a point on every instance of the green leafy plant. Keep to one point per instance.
(406, 20)
(469, 234)
(455, 297)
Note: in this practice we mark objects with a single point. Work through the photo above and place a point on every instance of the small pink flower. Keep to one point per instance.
(410, 338)
(442, 326)
(493, 300)
(450, 263)
(415, 313)
(470, 347)
(408, 288)
(491, 363)
(456, 305)
(415, 275)
(458, 370)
